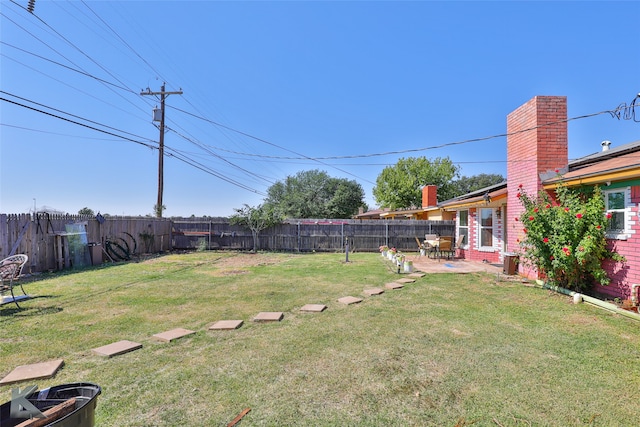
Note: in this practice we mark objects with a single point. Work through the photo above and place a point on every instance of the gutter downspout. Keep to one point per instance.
(593, 301)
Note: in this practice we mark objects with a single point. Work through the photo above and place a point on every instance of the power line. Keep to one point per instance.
(613, 113)
(172, 152)
(74, 46)
(202, 146)
(63, 56)
(84, 73)
(270, 143)
(68, 114)
(53, 133)
(177, 155)
(76, 122)
(121, 39)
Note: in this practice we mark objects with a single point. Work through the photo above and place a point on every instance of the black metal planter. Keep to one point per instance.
(82, 414)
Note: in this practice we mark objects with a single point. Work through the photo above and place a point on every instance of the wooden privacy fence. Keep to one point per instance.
(56, 242)
(307, 235)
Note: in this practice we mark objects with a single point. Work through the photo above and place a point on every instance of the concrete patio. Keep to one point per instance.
(428, 265)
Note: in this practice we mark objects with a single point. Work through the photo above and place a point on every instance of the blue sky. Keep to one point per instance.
(271, 88)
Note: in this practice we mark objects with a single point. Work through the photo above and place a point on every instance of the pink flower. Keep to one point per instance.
(598, 227)
(578, 215)
(525, 230)
(581, 248)
(517, 219)
(531, 218)
(520, 186)
(567, 253)
(552, 257)
(557, 170)
(548, 206)
(546, 240)
(566, 209)
(536, 210)
(518, 195)
(609, 215)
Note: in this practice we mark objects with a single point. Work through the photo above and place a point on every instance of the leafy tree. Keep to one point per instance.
(314, 194)
(86, 211)
(467, 184)
(565, 240)
(400, 186)
(256, 219)
(158, 210)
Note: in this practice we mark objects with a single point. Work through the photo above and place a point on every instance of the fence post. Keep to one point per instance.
(346, 249)
(386, 233)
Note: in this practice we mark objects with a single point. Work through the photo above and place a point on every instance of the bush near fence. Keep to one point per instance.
(41, 236)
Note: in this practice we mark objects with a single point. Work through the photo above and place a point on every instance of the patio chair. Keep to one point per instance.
(10, 270)
(432, 248)
(445, 249)
(459, 245)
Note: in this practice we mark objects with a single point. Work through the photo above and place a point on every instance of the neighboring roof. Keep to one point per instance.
(620, 163)
(376, 213)
(494, 192)
(409, 212)
(402, 212)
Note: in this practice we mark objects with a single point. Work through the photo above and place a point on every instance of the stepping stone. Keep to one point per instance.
(226, 325)
(117, 348)
(173, 334)
(316, 308)
(394, 285)
(349, 300)
(374, 291)
(417, 275)
(406, 280)
(269, 316)
(33, 372)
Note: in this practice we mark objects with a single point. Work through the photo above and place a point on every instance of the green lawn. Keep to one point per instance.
(447, 350)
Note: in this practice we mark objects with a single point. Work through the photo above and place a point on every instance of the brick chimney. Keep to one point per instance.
(536, 144)
(429, 196)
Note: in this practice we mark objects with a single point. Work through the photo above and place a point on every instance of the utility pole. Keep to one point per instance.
(163, 95)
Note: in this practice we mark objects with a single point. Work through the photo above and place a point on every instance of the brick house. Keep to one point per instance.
(537, 149)
(430, 210)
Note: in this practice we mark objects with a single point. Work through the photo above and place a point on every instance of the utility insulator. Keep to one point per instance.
(31, 6)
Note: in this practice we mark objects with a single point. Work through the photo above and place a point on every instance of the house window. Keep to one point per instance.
(486, 228)
(616, 204)
(463, 228)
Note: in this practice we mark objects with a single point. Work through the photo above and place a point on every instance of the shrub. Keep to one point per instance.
(564, 239)
(202, 245)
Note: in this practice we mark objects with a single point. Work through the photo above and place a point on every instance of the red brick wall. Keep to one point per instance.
(473, 253)
(623, 275)
(536, 143)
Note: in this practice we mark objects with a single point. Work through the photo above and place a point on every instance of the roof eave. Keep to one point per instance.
(595, 178)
